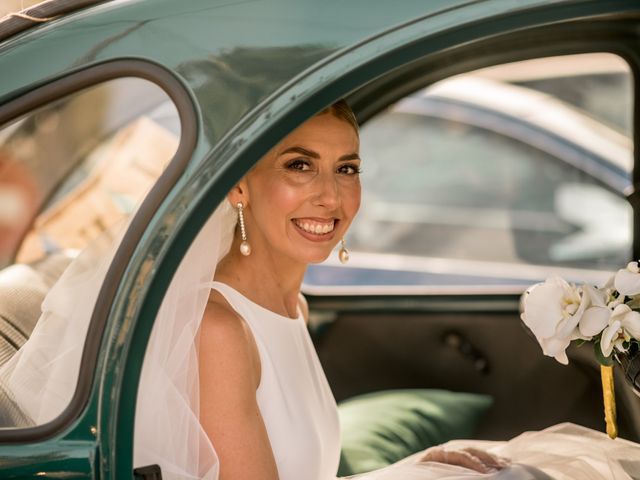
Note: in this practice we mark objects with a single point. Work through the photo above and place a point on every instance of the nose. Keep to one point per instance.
(327, 191)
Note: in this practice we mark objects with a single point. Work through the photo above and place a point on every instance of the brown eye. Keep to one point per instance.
(298, 164)
(349, 169)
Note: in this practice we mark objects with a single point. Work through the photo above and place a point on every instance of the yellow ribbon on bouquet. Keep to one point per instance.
(609, 397)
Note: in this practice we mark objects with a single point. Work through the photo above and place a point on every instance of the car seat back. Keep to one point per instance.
(22, 290)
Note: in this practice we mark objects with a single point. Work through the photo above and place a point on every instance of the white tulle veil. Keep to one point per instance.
(167, 430)
(42, 376)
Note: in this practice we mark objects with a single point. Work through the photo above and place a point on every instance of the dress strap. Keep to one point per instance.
(228, 293)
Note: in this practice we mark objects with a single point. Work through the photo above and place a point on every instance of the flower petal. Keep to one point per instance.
(631, 323)
(567, 326)
(596, 296)
(609, 283)
(594, 320)
(608, 334)
(562, 358)
(555, 347)
(543, 309)
(627, 283)
(619, 312)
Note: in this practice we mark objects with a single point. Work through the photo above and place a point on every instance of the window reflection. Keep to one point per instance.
(71, 174)
(78, 166)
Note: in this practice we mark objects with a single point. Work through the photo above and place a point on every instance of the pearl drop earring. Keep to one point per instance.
(343, 253)
(245, 248)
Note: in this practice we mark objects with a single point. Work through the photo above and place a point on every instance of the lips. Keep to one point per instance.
(315, 229)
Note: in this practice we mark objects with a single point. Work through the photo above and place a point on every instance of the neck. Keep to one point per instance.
(264, 277)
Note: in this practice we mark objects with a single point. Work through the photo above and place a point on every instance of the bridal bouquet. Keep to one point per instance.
(559, 313)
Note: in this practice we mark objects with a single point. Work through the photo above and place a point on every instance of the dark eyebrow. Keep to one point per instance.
(312, 154)
(301, 151)
(351, 156)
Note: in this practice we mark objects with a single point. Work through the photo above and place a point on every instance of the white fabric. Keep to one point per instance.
(42, 377)
(294, 397)
(167, 430)
(43, 374)
(562, 452)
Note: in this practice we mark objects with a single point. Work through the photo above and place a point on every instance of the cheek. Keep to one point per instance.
(351, 199)
(287, 198)
(280, 199)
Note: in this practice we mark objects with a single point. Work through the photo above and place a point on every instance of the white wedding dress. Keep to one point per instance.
(294, 397)
(300, 415)
(296, 403)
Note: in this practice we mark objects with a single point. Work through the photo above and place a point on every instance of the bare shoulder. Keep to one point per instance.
(226, 340)
(220, 318)
(304, 307)
(229, 375)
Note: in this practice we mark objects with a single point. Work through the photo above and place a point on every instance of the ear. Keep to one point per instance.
(239, 193)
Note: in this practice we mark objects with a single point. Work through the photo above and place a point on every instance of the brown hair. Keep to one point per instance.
(342, 110)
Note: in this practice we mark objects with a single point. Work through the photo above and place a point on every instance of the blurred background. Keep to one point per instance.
(8, 6)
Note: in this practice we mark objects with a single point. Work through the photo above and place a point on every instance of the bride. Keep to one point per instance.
(231, 387)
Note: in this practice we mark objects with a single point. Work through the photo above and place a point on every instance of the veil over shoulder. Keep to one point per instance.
(167, 429)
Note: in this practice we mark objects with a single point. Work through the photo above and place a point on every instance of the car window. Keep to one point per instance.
(587, 81)
(71, 174)
(485, 174)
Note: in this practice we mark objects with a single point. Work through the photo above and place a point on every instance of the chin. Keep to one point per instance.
(319, 258)
(315, 261)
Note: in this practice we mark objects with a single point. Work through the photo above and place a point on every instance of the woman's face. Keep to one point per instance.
(302, 196)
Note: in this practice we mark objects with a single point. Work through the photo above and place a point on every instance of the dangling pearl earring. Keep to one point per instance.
(245, 248)
(343, 253)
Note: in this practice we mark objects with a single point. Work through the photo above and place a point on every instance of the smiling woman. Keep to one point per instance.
(255, 401)
(262, 389)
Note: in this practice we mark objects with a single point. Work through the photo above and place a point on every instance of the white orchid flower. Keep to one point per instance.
(552, 310)
(596, 317)
(608, 290)
(627, 280)
(623, 325)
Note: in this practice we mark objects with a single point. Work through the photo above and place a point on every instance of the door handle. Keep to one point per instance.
(459, 342)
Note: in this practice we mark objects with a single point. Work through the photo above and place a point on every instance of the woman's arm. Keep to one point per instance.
(229, 376)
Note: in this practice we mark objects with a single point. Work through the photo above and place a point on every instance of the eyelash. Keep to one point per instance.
(297, 163)
(354, 168)
(300, 164)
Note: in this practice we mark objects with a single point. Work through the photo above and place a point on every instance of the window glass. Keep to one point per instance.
(586, 81)
(503, 175)
(71, 174)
